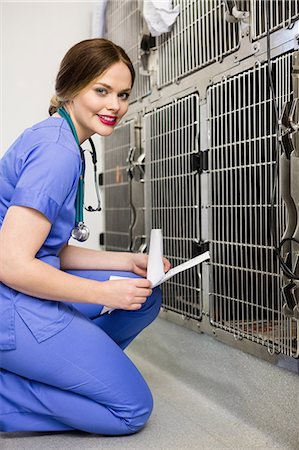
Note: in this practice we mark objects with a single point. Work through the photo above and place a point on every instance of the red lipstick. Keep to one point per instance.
(107, 120)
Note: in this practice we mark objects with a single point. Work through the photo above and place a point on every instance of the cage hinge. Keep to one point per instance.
(101, 238)
(199, 247)
(147, 42)
(200, 161)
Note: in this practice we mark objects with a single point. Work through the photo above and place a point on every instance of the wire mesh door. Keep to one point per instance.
(246, 280)
(117, 187)
(281, 14)
(200, 36)
(124, 25)
(172, 194)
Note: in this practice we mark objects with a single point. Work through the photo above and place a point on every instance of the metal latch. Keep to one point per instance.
(200, 161)
(139, 164)
(290, 307)
(199, 247)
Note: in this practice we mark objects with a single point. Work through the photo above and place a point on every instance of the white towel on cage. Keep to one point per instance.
(159, 15)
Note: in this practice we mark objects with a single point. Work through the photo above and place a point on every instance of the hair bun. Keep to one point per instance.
(55, 103)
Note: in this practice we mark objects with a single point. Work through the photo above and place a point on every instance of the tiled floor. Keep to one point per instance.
(207, 396)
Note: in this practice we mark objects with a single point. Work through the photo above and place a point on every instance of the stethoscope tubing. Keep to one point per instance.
(79, 221)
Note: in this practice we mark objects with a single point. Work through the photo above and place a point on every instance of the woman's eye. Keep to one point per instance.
(124, 96)
(101, 91)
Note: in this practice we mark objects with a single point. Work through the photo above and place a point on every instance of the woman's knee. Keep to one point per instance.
(131, 416)
(139, 413)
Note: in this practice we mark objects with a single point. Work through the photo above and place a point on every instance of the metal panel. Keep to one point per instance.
(124, 27)
(171, 141)
(117, 187)
(282, 13)
(246, 280)
(200, 36)
(136, 170)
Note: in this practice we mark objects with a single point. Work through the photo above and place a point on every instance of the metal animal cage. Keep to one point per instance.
(226, 109)
(172, 194)
(281, 14)
(200, 36)
(246, 280)
(117, 187)
(123, 184)
(124, 27)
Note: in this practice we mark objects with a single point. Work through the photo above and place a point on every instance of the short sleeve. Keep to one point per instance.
(48, 174)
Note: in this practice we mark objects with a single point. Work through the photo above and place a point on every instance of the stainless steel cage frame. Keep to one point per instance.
(184, 49)
(281, 14)
(117, 187)
(123, 185)
(171, 136)
(246, 279)
(234, 124)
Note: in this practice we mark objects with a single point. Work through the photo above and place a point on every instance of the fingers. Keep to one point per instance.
(137, 292)
(144, 293)
(141, 272)
(167, 265)
(140, 297)
(142, 282)
(137, 304)
(135, 307)
(143, 286)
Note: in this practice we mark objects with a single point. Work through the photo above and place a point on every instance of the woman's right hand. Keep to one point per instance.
(128, 294)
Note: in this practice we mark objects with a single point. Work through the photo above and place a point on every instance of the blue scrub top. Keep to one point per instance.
(41, 171)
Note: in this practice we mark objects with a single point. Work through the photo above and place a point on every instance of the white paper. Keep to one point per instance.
(155, 266)
(105, 308)
(172, 272)
(184, 266)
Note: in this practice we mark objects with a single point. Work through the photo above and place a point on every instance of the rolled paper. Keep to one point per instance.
(155, 266)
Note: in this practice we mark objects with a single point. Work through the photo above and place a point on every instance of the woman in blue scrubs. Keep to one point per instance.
(62, 362)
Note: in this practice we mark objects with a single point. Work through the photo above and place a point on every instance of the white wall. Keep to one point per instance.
(34, 38)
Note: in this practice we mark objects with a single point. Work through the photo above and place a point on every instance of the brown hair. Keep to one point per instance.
(83, 63)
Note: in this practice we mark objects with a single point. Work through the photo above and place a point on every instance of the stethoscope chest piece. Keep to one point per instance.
(80, 232)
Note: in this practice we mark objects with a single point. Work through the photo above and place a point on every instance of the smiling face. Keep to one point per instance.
(101, 105)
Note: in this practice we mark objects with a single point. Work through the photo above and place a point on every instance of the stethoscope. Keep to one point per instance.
(81, 232)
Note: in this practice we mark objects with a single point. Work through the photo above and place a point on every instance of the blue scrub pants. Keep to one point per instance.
(80, 378)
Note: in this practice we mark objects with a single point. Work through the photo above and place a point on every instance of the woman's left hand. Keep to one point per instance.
(140, 261)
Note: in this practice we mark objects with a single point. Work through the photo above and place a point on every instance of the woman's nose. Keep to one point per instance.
(113, 103)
